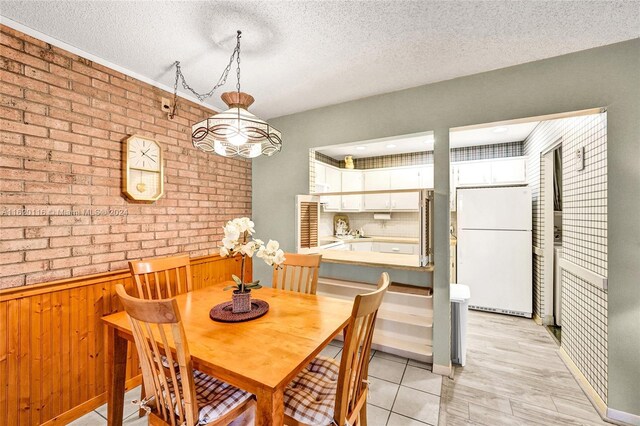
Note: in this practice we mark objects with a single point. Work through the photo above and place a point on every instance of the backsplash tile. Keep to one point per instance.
(401, 224)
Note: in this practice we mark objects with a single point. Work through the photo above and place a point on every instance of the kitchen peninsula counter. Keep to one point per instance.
(386, 260)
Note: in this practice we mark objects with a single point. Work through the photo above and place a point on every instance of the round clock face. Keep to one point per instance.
(144, 154)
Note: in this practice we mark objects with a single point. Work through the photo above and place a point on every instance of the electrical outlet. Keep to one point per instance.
(580, 158)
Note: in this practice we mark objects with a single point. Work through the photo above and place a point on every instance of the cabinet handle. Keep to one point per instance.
(395, 249)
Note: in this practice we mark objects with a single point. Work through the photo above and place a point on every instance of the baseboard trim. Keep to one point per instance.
(624, 417)
(537, 319)
(88, 406)
(598, 403)
(443, 370)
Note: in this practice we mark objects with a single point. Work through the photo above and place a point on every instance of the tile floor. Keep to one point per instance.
(403, 393)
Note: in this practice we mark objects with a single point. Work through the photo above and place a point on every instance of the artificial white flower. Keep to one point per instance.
(279, 258)
(248, 249)
(229, 243)
(224, 252)
(272, 246)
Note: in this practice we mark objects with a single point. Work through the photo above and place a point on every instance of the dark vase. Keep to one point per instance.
(241, 302)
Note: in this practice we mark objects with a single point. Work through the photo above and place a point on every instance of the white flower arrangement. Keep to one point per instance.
(238, 239)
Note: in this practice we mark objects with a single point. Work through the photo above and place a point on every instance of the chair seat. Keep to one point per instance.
(310, 397)
(215, 397)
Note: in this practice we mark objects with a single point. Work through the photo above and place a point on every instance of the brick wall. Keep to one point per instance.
(63, 120)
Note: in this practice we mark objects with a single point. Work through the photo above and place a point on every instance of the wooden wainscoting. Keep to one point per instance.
(53, 343)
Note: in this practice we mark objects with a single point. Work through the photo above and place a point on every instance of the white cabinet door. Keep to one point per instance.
(476, 173)
(405, 178)
(426, 176)
(376, 180)
(508, 171)
(351, 182)
(333, 182)
(398, 248)
(320, 171)
(362, 246)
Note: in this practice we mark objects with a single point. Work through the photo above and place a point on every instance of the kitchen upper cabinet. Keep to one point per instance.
(320, 180)
(426, 176)
(473, 173)
(497, 171)
(351, 182)
(405, 178)
(377, 180)
(333, 180)
(508, 170)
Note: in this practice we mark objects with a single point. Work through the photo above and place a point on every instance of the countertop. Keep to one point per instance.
(385, 260)
(373, 239)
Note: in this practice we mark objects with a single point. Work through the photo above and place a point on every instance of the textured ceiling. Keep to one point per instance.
(307, 54)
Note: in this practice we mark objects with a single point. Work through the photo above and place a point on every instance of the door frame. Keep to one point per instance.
(546, 193)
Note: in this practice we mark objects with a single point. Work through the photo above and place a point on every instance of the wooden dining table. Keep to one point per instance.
(260, 356)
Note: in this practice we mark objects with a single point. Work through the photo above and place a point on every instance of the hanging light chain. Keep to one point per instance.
(221, 81)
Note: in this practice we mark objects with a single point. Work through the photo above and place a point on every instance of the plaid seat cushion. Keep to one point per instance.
(310, 397)
(215, 397)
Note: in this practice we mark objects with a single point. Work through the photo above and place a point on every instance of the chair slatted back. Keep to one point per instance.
(156, 325)
(352, 389)
(299, 273)
(163, 277)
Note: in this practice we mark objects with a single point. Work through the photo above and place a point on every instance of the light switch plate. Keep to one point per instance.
(580, 158)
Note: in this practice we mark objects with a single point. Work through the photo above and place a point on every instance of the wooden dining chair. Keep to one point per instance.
(162, 277)
(178, 394)
(299, 272)
(327, 391)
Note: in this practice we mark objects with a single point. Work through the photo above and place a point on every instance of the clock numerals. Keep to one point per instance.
(144, 173)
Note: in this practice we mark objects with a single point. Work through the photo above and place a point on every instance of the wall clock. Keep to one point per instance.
(143, 174)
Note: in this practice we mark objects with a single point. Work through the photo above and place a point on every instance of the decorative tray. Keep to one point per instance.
(224, 313)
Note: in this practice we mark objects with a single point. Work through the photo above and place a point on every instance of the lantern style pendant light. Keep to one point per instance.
(234, 132)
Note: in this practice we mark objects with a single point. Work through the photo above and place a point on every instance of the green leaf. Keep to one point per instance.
(229, 287)
(236, 279)
(253, 285)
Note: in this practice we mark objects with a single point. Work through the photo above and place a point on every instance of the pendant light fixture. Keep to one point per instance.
(234, 132)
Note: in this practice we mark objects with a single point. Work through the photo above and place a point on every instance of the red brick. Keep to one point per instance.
(44, 121)
(90, 91)
(47, 144)
(13, 126)
(70, 137)
(89, 131)
(69, 157)
(28, 244)
(89, 269)
(11, 162)
(70, 241)
(90, 249)
(70, 262)
(11, 138)
(11, 234)
(22, 81)
(125, 246)
(24, 175)
(91, 230)
(46, 53)
(22, 198)
(69, 116)
(71, 95)
(47, 254)
(9, 282)
(107, 257)
(12, 42)
(24, 267)
(25, 58)
(40, 277)
(48, 166)
(23, 105)
(46, 99)
(46, 77)
(11, 257)
(47, 231)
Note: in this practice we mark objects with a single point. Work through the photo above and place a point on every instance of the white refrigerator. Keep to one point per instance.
(495, 248)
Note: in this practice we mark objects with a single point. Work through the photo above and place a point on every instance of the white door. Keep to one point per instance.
(376, 180)
(508, 171)
(333, 184)
(494, 208)
(351, 182)
(471, 174)
(496, 265)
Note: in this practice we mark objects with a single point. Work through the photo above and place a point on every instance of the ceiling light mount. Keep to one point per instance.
(234, 132)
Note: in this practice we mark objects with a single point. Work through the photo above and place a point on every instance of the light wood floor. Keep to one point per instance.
(513, 376)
